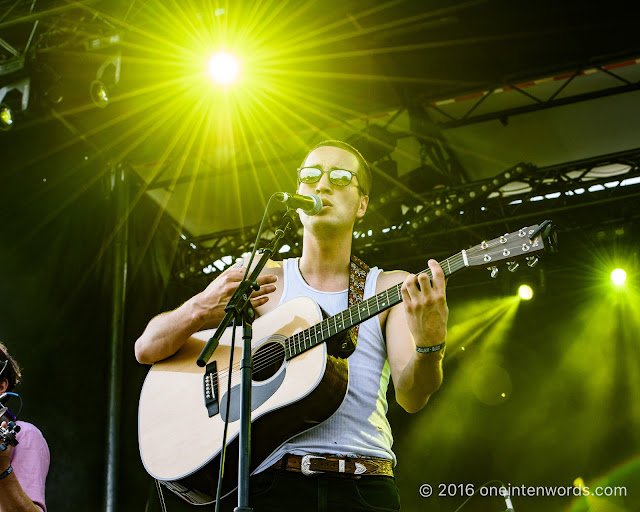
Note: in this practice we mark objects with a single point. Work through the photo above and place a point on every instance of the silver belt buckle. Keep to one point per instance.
(305, 464)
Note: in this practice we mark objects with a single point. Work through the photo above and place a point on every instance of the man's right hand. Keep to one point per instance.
(167, 332)
(213, 299)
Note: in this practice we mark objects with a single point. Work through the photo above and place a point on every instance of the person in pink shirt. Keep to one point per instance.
(24, 467)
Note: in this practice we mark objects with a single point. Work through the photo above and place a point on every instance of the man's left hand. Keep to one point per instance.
(426, 307)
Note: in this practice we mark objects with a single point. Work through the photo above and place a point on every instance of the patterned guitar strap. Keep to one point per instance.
(357, 276)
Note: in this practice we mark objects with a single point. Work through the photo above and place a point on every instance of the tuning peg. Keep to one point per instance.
(512, 266)
(494, 271)
(532, 260)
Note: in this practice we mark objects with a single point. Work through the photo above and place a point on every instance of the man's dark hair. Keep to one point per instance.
(11, 370)
(365, 173)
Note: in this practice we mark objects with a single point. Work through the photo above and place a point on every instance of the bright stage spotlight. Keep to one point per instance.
(618, 276)
(98, 93)
(224, 68)
(6, 117)
(525, 292)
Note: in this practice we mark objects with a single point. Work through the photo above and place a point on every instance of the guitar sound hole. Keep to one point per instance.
(267, 360)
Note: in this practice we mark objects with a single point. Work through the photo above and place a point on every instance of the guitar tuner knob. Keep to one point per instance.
(512, 266)
(493, 271)
(532, 261)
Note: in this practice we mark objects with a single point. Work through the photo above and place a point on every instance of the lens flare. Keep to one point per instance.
(224, 68)
(618, 276)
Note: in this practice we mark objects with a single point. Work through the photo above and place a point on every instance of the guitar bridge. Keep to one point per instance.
(210, 383)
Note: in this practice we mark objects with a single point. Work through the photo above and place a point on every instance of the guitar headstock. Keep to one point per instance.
(528, 242)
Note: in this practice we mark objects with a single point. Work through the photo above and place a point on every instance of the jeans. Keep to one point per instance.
(277, 490)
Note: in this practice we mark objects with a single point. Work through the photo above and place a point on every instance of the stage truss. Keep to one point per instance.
(596, 198)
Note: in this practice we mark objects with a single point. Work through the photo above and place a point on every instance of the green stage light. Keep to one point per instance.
(224, 68)
(618, 276)
(525, 292)
(6, 117)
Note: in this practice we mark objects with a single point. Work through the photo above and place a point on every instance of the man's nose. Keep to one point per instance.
(323, 183)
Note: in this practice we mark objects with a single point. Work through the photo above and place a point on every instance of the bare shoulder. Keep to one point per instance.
(389, 279)
(271, 268)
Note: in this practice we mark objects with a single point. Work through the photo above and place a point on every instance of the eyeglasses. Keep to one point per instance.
(339, 177)
(3, 364)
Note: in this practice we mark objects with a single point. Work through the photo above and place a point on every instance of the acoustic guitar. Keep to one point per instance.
(297, 381)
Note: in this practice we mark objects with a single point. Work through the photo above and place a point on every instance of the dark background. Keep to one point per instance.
(571, 408)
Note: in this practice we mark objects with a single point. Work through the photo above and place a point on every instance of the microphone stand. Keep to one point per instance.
(239, 310)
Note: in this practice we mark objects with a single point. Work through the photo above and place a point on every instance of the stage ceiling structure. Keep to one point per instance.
(444, 98)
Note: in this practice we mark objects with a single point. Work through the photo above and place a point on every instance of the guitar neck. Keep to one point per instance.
(358, 313)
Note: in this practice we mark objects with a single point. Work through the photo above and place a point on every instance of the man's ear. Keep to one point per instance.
(4, 385)
(362, 208)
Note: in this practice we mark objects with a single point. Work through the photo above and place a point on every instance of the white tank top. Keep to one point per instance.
(359, 428)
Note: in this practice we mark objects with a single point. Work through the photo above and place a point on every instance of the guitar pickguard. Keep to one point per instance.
(260, 393)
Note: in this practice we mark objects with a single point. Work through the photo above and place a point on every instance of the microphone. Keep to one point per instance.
(311, 204)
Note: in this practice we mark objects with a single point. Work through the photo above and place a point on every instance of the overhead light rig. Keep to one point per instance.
(49, 56)
(15, 83)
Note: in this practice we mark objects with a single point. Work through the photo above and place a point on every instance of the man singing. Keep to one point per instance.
(405, 342)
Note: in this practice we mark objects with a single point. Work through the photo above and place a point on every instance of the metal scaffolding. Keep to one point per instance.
(581, 195)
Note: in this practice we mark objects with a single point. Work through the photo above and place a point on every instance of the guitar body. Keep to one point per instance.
(181, 441)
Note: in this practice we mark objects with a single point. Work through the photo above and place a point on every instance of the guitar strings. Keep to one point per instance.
(271, 355)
